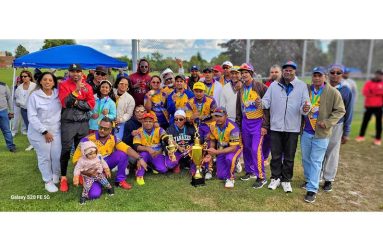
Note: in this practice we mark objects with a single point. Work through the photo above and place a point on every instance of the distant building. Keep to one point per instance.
(5, 61)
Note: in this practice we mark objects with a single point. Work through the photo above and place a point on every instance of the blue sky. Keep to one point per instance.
(182, 48)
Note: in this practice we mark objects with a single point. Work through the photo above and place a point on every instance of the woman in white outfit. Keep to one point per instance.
(21, 96)
(17, 119)
(44, 115)
(125, 104)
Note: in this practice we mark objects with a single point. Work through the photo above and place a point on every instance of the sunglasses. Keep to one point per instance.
(226, 67)
(168, 79)
(100, 73)
(140, 110)
(144, 66)
(179, 119)
(101, 128)
(24, 76)
(336, 72)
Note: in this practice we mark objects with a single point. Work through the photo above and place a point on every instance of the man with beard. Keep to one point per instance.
(139, 82)
(101, 73)
(77, 100)
(213, 88)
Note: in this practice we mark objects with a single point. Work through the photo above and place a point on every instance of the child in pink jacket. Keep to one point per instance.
(91, 166)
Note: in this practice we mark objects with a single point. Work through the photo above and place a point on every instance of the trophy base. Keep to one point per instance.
(198, 182)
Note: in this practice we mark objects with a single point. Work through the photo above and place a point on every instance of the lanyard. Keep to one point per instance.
(210, 89)
(221, 134)
(184, 130)
(315, 97)
(199, 107)
(148, 137)
(246, 93)
(100, 108)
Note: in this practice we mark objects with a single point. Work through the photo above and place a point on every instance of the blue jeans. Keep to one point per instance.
(24, 114)
(313, 151)
(4, 126)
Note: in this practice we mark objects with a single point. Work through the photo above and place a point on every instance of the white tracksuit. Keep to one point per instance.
(44, 114)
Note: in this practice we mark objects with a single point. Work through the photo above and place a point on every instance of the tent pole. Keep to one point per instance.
(13, 93)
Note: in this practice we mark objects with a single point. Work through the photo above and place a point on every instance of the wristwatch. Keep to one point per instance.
(139, 158)
(44, 132)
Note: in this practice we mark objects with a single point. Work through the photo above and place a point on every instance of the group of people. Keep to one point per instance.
(128, 124)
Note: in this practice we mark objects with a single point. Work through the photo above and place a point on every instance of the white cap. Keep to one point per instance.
(166, 71)
(180, 113)
(227, 63)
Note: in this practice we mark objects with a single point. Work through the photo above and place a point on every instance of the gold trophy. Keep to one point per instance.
(197, 157)
(171, 147)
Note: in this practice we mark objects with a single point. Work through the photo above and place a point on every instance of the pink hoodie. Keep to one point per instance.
(85, 164)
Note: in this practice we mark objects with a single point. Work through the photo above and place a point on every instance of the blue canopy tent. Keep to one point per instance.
(60, 57)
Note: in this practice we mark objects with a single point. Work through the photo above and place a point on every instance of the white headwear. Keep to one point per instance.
(180, 113)
(227, 63)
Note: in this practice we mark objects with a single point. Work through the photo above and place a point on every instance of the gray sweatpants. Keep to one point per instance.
(331, 158)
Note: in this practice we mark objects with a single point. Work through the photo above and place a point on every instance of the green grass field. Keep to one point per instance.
(357, 187)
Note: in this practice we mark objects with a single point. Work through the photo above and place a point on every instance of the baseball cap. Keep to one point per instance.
(180, 113)
(219, 111)
(180, 76)
(246, 67)
(194, 68)
(320, 70)
(235, 68)
(207, 69)
(102, 69)
(199, 86)
(148, 115)
(291, 64)
(336, 66)
(75, 67)
(217, 68)
(227, 63)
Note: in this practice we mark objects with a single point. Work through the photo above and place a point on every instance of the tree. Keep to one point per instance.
(48, 43)
(20, 51)
(265, 53)
(219, 59)
(8, 53)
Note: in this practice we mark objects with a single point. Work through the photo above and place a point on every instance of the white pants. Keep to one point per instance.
(48, 154)
(331, 158)
(17, 119)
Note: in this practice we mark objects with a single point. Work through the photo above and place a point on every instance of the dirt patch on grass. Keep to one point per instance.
(358, 184)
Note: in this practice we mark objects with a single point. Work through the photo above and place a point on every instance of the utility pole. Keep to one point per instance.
(339, 51)
(369, 62)
(247, 51)
(134, 54)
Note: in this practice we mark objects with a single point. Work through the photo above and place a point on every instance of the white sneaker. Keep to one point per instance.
(24, 133)
(208, 176)
(229, 183)
(13, 134)
(114, 169)
(238, 168)
(287, 187)
(29, 148)
(56, 178)
(50, 187)
(274, 183)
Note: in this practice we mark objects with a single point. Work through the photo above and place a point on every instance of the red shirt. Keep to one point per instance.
(139, 87)
(68, 86)
(373, 91)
